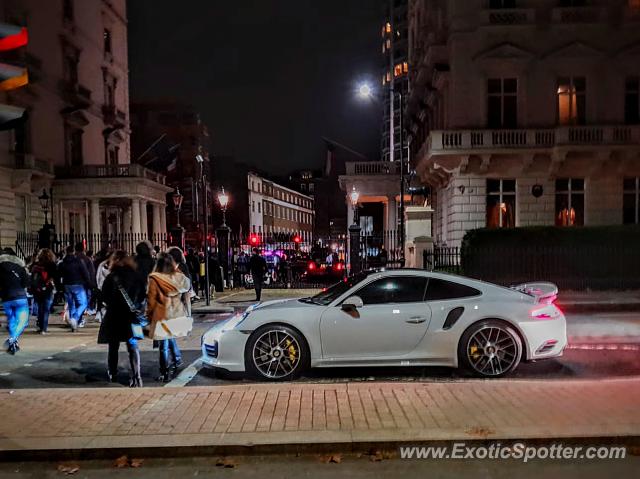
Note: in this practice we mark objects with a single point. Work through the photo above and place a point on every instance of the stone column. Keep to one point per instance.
(390, 214)
(157, 225)
(126, 220)
(135, 216)
(163, 219)
(94, 214)
(144, 222)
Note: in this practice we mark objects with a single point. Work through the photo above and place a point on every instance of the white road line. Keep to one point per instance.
(186, 375)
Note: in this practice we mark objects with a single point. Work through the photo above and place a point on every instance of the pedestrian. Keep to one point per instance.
(202, 274)
(169, 311)
(144, 261)
(75, 280)
(194, 266)
(258, 268)
(13, 292)
(43, 285)
(88, 263)
(243, 267)
(102, 271)
(121, 290)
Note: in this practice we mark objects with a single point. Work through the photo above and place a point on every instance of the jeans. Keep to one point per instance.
(166, 347)
(43, 306)
(17, 312)
(76, 297)
(89, 293)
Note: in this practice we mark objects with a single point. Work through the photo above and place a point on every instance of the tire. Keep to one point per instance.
(276, 352)
(490, 349)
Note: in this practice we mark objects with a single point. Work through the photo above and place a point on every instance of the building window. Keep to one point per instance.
(631, 201)
(311, 187)
(73, 144)
(632, 101)
(502, 102)
(569, 202)
(501, 203)
(70, 71)
(259, 207)
(112, 153)
(67, 10)
(397, 70)
(107, 41)
(253, 206)
(502, 3)
(572, 101)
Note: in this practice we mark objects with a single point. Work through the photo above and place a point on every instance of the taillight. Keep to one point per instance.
(339, 266)
(311, 266)
(548, 311)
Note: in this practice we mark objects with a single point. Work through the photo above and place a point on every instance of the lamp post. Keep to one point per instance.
(366, 92)
(354, 234)
(205, 241)
(46, 235)
(177, 232)
(222, 233)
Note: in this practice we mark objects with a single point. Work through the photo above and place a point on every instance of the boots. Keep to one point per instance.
(134, 362)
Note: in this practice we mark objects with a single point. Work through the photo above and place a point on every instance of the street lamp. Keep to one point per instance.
(354, 234)
(177, 198)
(223, 199)
(366, 92)
(353, 198)
(205, 209)
(44, 204)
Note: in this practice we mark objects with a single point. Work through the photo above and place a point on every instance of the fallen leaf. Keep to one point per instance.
(122, 461)
(331, 458)
(136, 462)
(480, 431)
(68, 469)
(227, 462)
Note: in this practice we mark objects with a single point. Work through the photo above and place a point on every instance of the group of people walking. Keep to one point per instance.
(148, 290)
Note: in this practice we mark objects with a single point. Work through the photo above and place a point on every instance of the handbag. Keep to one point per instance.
(140, 320)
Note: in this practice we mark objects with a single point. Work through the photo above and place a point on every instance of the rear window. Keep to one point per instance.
(440, 289)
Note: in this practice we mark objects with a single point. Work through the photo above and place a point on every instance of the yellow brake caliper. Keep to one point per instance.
(473, 351)
(292, 351)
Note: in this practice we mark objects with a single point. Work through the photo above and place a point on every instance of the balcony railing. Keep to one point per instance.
(363, 168)
(507, 16)
(109, 171)
(440, 142)
(577, 15)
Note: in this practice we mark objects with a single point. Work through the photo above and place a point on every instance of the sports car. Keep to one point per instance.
(398, 317)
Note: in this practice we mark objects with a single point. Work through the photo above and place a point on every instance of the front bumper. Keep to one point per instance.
(224, 349)
(545, 338)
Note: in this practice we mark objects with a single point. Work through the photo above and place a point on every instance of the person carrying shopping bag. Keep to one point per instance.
(121, 291)
(168, 308)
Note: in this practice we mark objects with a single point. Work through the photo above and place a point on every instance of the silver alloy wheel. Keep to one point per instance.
(492, 350)
(276, 354)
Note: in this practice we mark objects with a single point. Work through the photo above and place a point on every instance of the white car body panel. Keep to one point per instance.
(390, 334)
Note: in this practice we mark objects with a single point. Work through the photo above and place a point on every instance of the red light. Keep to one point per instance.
(297, 239)
(254, 239)
(311, 266)
(17, 37)
(339, 266)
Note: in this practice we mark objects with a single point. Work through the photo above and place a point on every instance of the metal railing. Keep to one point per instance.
(372, 168)
(443, 259)
(109, 171)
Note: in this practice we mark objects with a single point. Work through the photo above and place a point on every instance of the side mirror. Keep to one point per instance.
(352, 303)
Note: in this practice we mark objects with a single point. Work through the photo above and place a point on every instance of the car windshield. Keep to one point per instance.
(328, 295)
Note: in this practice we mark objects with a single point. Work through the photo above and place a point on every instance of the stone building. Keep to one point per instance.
(75, 139)
(525, 112)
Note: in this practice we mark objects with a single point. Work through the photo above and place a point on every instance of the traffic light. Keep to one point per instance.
(297, 239)
(12, 76)
(254, 239)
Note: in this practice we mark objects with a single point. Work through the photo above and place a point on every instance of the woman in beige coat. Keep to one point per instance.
(168, 308)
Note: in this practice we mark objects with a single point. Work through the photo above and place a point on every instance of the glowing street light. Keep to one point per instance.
(223, 199)
(365, 91)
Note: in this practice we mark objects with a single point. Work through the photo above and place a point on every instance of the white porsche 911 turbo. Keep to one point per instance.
(393, 318)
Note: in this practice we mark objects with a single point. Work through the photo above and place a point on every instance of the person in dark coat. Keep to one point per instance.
(13, 283)
(144, 261)
(116, 325)
(75, 279)
(44, 279)
(91, 269)
(258, 268)
(194, 267)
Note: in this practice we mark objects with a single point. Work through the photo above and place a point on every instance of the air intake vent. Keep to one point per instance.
(452, 317)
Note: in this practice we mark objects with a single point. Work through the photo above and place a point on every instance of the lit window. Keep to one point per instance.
(107, 41)
(631, 201)
(397, 70)
(572, 101)
(501, 203)
(405, 67)
(388, 77)
(569, 202)
(387, 27)
(388, 44)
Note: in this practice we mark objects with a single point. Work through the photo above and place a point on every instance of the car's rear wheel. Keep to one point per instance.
(276, 353)
(490, 348)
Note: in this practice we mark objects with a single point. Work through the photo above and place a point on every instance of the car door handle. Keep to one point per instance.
(416, 320)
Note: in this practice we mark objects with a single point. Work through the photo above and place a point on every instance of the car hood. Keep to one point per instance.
(280, 304)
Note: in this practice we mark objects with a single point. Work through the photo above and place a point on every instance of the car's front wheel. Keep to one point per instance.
(490, 348)
(276, 353)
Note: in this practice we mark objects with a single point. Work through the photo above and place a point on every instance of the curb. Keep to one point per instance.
(218, 309)
(364, 447)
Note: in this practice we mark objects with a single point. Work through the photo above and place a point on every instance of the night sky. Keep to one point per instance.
(269, 77)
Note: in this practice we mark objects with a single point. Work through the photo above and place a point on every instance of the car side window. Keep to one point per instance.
(439, 289)
(394, 289)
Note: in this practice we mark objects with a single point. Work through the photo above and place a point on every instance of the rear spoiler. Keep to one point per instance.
(543, 292)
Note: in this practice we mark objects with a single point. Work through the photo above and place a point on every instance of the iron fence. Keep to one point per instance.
(442, 258)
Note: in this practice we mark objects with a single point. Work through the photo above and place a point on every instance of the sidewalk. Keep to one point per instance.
(599, 301)
(293, 415)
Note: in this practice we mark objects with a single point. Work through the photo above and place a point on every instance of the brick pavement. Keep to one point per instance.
(297, 413)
